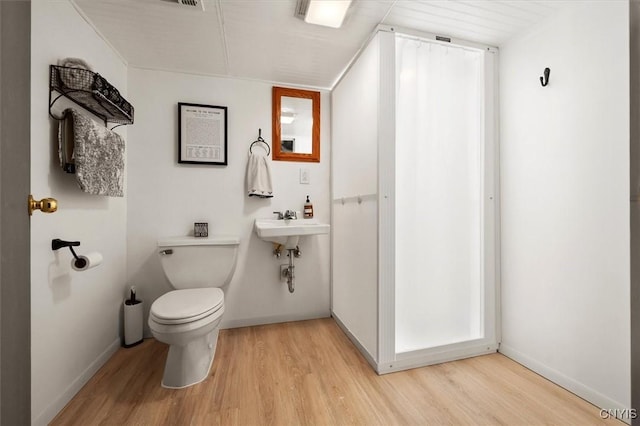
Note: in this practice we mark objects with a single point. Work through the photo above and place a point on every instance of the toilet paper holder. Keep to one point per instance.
(57, 244)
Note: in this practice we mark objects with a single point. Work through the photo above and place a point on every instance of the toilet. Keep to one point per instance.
(188, 318)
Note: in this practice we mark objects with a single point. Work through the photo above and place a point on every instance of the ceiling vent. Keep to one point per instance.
(301, 9)
(192, 3)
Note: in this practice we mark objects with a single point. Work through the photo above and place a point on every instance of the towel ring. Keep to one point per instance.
(260, 140)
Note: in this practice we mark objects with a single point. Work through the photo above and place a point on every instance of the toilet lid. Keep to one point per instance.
(182, 306)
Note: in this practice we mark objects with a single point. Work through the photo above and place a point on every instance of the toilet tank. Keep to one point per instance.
(194, 262)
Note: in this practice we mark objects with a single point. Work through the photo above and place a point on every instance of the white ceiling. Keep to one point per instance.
(262, 39)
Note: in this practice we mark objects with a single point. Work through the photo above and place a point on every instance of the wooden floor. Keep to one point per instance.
(308, 373)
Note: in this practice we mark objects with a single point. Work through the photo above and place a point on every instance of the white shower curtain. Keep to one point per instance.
(439, 186)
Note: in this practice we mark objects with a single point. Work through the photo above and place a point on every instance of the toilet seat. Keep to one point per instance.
(185, 306)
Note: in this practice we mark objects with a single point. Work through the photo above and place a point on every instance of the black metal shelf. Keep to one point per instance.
(92, 92)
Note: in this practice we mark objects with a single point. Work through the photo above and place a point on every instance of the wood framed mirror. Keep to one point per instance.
(296, 125)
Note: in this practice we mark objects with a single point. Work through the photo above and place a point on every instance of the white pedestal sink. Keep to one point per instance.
(288, 231)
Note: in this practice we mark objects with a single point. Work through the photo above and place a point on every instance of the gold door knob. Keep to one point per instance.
(46, 205)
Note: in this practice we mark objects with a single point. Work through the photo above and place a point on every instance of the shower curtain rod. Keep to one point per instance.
(411, 33)
(436, 38)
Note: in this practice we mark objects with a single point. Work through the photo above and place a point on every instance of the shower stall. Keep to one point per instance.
(414, 181)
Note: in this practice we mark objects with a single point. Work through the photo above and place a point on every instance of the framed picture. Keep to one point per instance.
(202, 135)
(288, 145)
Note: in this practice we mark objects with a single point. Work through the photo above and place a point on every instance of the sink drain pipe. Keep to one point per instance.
(288, 271)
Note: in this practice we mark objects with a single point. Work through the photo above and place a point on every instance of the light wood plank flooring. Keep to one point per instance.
(308, 373)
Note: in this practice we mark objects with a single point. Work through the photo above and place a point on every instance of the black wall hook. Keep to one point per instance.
(545, 80)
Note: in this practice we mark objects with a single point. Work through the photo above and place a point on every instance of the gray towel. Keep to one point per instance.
(98, 154)
(259, 177)
(78, 75)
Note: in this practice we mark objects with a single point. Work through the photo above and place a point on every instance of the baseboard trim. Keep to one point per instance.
(274, 319)
(573, 386)
(56, 406)
(365, 353)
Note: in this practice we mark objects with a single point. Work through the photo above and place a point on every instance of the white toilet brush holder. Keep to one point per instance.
(133, 319)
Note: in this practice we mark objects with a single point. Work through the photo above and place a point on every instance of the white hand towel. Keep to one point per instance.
(259, 177)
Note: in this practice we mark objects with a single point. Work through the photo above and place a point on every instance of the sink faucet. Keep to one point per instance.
(290, 214)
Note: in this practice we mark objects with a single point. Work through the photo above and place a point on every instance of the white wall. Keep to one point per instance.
(74, 316)
(634, 188)
(165, 198)
(355, 172)
(565, 201)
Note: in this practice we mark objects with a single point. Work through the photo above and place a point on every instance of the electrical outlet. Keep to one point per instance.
(304, 176)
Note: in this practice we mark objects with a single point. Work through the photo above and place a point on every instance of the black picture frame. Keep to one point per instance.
(202, 134)
(288, 145)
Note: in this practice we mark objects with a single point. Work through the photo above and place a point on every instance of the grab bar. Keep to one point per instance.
(358, 198)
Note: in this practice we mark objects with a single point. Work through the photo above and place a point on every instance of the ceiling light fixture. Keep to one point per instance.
(329, 13)
(287, 117)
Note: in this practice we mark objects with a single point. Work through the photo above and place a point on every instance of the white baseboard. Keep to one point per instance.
(573, 386)
(356, 342)
(274, 319)
(249, 322)
(56, 406)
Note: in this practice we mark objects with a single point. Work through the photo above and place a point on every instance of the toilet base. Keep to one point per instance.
(190, 364)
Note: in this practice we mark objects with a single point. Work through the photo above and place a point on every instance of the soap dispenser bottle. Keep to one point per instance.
(308, 209)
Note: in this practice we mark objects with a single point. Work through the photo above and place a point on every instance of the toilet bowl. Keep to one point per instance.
(189, 317)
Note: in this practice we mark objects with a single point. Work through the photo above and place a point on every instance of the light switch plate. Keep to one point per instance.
(304, 176)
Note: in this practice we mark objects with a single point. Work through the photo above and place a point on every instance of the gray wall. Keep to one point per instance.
(15, 326)
(634, 47)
